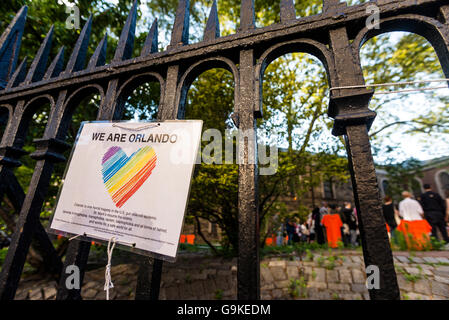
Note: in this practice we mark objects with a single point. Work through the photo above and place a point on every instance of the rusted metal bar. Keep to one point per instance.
(248, 280)
(353, 118)
(149, 279)
(26, 227)
(373, 233)
(212, 30)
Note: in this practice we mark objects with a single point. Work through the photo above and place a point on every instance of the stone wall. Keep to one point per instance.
(319, 275)
(342, 276)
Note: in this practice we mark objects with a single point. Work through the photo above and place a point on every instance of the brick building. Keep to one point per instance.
(435, 172)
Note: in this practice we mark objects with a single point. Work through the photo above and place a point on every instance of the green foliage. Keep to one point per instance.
(401, 243)
(436, 244)
(335, 296)
(298, 288)
(267, 12)
(330, 263)
(294, 114)
(3, 253)
(402, 177)
(188, 247)
(219, 294)
(298, 249)
(320, 261)
(27, 269)
(44, 13)
(309, 255)
(409, 57)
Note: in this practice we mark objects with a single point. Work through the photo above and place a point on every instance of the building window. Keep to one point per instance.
(385, 187)
(328, 189)
(444, 181)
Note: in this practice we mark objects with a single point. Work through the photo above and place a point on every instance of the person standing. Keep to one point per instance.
(351, 221)
(415, 228)
(332, 222)
(278, 228)
(305, 233)
(434, 211)
(319, 233)
(410, 209)
(389, 212)
(345, 228)
(297, 234)
(446, 193)
(311, 228)
(291, 229)
(324, 209)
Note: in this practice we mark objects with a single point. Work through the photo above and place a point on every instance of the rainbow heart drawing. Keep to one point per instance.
(123, 175)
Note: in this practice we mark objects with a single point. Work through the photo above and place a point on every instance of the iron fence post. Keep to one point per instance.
(248, 270)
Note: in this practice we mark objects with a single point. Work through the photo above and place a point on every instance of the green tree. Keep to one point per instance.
(401, 177)
(409, 58)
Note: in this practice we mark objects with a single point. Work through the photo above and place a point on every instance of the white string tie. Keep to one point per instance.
(74, 237)
(375, 85)
(147, 126)
(108, 281)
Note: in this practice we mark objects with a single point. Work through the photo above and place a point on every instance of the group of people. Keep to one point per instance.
(329, 224)
(417, 218)
(334, 224)
(294, 231)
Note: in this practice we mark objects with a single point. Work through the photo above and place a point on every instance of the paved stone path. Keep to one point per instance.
(319, 275)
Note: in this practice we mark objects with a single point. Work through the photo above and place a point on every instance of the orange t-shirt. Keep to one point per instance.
(333, 223)
(416, 233)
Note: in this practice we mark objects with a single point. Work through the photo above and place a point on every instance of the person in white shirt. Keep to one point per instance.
(410, 209)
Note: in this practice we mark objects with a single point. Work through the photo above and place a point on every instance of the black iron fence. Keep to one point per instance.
(335, 37)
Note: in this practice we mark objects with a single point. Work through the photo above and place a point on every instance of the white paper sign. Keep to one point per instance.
(130, 180)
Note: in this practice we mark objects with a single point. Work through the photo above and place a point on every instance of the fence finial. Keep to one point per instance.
(56, 66)
(10, 42)
(19, 75)
(39, 64)
(180, 32)
(125, 44)
(212, 30)
(99, 56)
(151, 41)
(288, 11)
(77, 59)
(247, 17)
